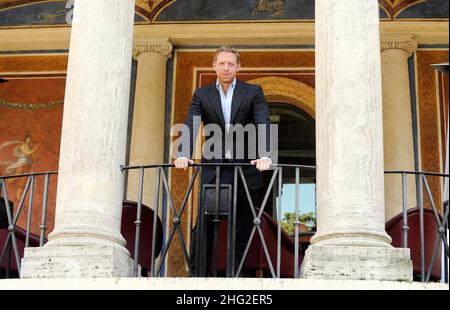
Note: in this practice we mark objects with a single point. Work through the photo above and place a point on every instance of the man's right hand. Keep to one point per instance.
(183, 162)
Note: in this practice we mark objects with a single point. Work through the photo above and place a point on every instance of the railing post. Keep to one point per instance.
(44, 211)
(138, 222)
(280, 196)
(445, 245)
(6, 248)
(296, 220)
(405, 227)
(216, 224)
(230, 228)
(421, 228)
(155, 216)
(30, 207)
(233, 234)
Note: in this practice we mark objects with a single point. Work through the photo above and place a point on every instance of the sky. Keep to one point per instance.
(307, 198)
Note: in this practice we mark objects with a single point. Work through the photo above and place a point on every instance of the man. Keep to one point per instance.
(225, 103)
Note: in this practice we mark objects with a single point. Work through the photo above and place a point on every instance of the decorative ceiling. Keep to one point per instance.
(20, 13)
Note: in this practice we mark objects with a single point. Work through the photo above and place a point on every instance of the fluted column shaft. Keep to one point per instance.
(86, 241)
(350, 191)
(397, 121)
(350, 242)
(147, 138)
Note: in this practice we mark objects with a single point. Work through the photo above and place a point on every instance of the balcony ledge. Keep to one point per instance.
(210, 284)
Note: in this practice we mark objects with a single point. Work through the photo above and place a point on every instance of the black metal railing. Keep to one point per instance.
(233, 268)
(440, 222)
(13, 235)
(11, 251)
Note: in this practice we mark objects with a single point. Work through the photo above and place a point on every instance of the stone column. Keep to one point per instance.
(86, 241)
(397, 121)
(147, 138)
(350, 242)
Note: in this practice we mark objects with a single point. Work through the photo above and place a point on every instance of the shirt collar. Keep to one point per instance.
(233, 84)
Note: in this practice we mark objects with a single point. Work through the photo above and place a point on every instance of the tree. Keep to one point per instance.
(309, 219)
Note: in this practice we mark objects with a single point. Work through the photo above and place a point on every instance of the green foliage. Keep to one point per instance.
(287, 223)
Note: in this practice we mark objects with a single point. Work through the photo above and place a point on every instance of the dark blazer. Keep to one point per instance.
(248, 107)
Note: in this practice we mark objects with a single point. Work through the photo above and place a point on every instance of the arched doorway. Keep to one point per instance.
(296, 145)
(292, 108)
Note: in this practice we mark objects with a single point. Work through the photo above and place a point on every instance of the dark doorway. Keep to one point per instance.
(296, 145)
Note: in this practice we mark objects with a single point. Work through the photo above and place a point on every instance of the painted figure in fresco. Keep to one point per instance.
(22, 152)
(274, 7)
(48, 18)
(226, 103)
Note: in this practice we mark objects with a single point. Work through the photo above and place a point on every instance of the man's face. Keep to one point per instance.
(226, 67)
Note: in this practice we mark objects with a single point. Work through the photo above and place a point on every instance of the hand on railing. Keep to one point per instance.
(262, 164)
(183, 162)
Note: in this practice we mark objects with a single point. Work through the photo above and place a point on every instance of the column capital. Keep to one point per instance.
(163, 47)
(406, 43)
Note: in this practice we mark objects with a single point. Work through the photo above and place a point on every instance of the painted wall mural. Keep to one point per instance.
(20, 156)
(432, 103)
(31, 108)
(238, 10)
(16, 13)
(410, 9)
(42, 13)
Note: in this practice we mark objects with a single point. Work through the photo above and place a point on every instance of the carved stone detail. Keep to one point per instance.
(164, 48)
(405, 43)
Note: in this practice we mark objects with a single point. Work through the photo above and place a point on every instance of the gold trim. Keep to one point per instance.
(196, 35)
(30, 106)
(34, 77)
(42, 74)
(144, 17)
(36, 26)
(431, 48)
(421, 20)
(297, 21)
(34, 54)
(386, 11)
(406, 7)
(238, 21)
(162, 9)
(289, 91)
(248, 49)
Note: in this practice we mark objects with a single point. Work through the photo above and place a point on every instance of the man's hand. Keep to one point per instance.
(262, 164)
(183, 162)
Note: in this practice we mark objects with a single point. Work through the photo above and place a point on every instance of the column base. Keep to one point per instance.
(357, 263)
(87, 261)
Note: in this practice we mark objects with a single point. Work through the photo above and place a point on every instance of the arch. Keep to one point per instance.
(280, 89)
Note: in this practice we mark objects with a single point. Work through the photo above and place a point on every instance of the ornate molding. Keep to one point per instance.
(290, 91)
(163, 48)
(405, 43)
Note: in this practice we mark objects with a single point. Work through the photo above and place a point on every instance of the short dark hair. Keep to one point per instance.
(228, 49)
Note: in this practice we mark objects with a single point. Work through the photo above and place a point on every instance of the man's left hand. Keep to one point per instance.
(262, 164)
